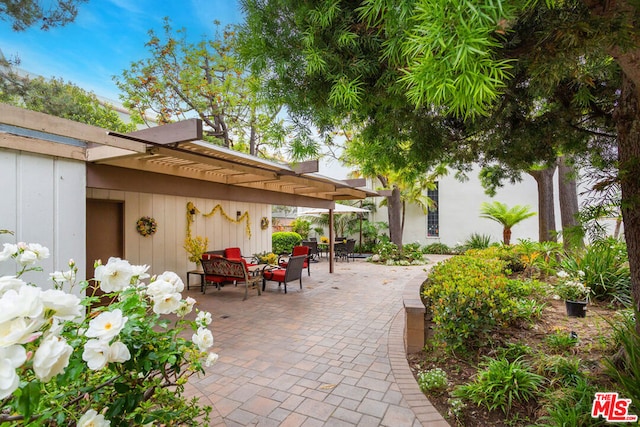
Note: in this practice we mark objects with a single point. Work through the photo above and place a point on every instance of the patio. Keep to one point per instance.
(329, 354)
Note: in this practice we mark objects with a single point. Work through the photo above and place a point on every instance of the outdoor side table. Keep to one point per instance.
(197, 273)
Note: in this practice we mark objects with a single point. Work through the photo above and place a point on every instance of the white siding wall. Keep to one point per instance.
(164, 250)
(43, 201)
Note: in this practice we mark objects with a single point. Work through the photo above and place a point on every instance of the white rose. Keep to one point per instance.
(115, 275)
(159, 288)
(64, 306)
(165, 304)
(51, 357)
(11, 358)
(20, 331)
(174, 279)
(118, 353)
(211, 359)
(10, 282)
(92, 419)
(63, 276)
(203, 338)
(8, 250)
(40, 251)
(22, 302)
(107, 325)
(95, 354)
(203, 318)
(186, 307)
(140, 271)
(27, 258)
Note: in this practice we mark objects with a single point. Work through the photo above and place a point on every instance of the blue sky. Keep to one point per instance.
(107, 36)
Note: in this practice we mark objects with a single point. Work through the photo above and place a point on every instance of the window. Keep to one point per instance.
(433, 225)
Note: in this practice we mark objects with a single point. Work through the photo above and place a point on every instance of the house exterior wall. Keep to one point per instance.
(43, 201)
(164, 251)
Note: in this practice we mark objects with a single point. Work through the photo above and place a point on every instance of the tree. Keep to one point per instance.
(181, 79)
(371, 62)
(26, 13)
(507, 217)
(57, 98)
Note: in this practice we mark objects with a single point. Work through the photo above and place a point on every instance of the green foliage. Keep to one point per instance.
(570, 406)
(505, 216)
(501, 383)
(603, 267)
(626, 370)
(283, 241)
(561, 341)
(60, 99)
(468, 298)
(433, 381)
(31, 12)
(388, 253)
(301, 226)
(501, 252)
(437, 248)
(478, 241)
(513, 351)
(561, 369)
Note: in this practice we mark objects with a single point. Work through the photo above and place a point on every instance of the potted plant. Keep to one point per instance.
(574, 293)
(195, 247)
(267, 258)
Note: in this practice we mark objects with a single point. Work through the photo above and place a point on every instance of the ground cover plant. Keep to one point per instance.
(501, 350)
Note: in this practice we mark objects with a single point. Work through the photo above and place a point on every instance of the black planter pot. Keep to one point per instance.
(576, 308)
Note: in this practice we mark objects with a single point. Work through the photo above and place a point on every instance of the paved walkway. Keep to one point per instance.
(330, 354)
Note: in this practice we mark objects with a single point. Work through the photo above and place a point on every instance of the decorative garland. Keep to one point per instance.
(146, 226)
(192, 211)
(264, 223)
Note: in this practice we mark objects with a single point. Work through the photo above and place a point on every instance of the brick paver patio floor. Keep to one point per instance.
(330, 354)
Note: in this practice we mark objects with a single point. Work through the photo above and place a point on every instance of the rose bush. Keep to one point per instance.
(67, 361)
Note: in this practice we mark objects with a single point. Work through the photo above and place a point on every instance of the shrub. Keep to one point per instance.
(562, 369)
(477, 241)
(571, 406)
(603, 267)
(437, 248)
(433, 381)
(126, 363)
(501, 252)
(501, 383)
(301, 226)
(468, 298)
(561, 341)
(283, 241)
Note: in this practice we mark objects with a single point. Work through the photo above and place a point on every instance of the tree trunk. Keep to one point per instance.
(394, 206)
(546, 210)
(506, 236)
(568, 194)
(627, 117)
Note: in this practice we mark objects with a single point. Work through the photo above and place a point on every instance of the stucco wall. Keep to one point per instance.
(164, 250)
(43, 201)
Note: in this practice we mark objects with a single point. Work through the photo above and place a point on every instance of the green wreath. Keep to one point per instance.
(264, 223)
(146, 226)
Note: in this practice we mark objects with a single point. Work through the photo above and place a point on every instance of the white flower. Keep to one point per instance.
(51, 357)
(211, 359)
(23, 302)
(562, 274)
(63, 276)
(580, 273)
(8, 250)
(95, 354)
(203, 338)
(203, 318)
(10, 282)
(115, 275)
(63, 305)
(92, 419)
(40, 251)
(20, 331)
(186, 306)
(118, 353)
(140, 271)
(107, 325)
(159, 288)
(167, 303)
(10, 359)
(174, 279)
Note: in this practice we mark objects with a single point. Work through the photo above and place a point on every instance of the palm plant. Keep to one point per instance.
(506, 216)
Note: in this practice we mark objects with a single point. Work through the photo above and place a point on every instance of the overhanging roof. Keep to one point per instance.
(158, 151)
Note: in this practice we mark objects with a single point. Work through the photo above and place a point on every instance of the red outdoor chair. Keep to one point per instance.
(298, 250)
(236, 253)
(292, 272)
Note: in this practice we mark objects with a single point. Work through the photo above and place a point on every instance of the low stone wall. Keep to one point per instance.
(414, 316)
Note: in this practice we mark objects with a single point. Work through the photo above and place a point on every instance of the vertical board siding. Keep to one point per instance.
(164, 250)
(44, 202)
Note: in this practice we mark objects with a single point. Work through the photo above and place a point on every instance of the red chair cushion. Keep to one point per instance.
(300, 250)
(276, 275)
(232, 253)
